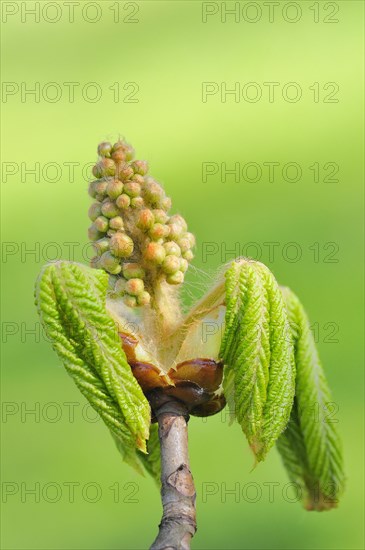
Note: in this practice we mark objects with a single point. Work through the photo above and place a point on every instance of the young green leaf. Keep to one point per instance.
(71, 303)
(310, 446)
(257, 352)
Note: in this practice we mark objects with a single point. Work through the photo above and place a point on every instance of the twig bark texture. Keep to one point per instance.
(178, 524)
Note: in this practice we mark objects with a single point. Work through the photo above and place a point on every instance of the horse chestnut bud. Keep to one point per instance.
(121, 245)
(155, 253)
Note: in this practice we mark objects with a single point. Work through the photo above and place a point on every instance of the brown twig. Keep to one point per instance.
(178, 524)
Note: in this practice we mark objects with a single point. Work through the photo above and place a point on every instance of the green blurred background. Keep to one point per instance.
(167, 52)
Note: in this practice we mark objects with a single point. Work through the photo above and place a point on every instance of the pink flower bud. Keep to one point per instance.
(155, 253)
(134, 287)
(158, 231)
(145, 219)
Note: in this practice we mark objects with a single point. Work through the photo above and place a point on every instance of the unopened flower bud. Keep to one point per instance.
(137, 202)
(160, 215)
(134, 286)
(97, 171)
(191, 238)
(111, 232)
(171, 264)
(92, 188)
(110, 263)
(100, 190)
(184, 264)
(176, 231)
(166, 204)
(155, 253)
(175, 279)
(188, 255)
(172, 248)
(101, 223)
(109, 209)
(123, 201)
(93, 233)
(144, 298)
(125, 172)
(129, 152)
(114, 189)
(118, 155)
(132, 188)
(121, 245)
(158, 231)
(133, 271)
(130, 301)
(176, 218)
(184, 244)
(101, 246)
(104, 149)
(116, 223)
(105, 167)
(140, 167)
(139, 179)
(145, 219)
(94, 211)
(122, 151)
(153, 192)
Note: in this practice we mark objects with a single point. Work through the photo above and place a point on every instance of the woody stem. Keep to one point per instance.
(178, 524)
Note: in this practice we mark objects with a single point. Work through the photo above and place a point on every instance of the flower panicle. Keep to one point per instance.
(135, 239)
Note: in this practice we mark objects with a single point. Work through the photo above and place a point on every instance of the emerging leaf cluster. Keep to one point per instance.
(273, 379)
(71, 303)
